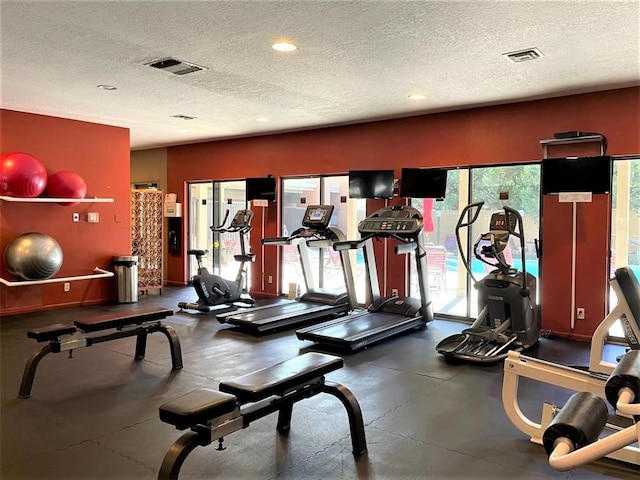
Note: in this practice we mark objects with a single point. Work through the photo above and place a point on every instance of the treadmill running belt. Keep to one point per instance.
(285, 314)
(359, 329)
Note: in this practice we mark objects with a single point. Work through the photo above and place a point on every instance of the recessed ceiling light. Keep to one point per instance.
(107, 87)
(417, 96)
(262, 119)
(284, 47)
(181, 130)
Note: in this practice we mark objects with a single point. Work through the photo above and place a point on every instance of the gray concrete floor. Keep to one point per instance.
(96, 415)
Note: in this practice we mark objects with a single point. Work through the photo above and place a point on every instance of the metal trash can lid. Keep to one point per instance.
(126, 260)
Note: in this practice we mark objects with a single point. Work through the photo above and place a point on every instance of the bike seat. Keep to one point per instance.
(197, 253)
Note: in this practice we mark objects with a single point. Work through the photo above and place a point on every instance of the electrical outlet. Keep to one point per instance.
(67, 286)
(394, 292)
(270, 280)
(76, 217)
(580, 313)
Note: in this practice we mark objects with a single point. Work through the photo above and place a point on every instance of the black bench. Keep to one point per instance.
(212, 414)
(84, 333)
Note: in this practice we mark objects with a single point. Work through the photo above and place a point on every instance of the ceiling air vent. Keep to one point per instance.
(523, 55)
(175, 66)
(183, 117)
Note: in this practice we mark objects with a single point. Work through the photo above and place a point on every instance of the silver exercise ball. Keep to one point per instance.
(33, 256)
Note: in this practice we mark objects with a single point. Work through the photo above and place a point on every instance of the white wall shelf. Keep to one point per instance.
(97, 273)
(55, 200)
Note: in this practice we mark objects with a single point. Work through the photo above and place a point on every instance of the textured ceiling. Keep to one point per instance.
(356, 60)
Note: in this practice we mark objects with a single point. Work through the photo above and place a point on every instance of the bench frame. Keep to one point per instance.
(85, 334)
(217, 428)
(518, 366)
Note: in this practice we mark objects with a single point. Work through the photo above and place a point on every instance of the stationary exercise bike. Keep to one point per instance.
(509, 317)
(213, 290)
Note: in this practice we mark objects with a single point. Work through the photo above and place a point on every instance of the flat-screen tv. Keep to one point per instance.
(582, 174)
(261, 188)
(371, 183)
(423, 183)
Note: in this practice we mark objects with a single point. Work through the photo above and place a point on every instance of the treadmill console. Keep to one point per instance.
(317, 216)
(397, 220)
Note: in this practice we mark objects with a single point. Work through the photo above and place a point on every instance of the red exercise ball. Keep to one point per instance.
(66, 184)
(21, 175)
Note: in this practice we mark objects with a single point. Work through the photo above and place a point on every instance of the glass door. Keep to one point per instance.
(208, 203)
(199, 235)
(625, 224)
(229, 197)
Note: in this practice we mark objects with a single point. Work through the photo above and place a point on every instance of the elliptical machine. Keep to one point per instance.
(509, 318)
(215, 291)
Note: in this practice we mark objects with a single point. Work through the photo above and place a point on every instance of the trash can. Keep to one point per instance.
(126, 272)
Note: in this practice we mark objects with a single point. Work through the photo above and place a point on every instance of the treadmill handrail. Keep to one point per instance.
(276, 241)
(319, 243)
(304, 232)
(352, 244)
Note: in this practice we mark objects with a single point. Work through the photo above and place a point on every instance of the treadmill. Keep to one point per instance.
(386, 316)
(316, 304)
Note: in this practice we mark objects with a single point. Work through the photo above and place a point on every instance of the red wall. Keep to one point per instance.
(592, 264)
(100, 154)
(592, 251)
(490, 135)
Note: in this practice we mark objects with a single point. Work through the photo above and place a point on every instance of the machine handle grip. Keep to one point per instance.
(478, 206)
(276, 241)
(405, 248)
(510, 211)
(221, 226)
(347, 245)
(462, 224)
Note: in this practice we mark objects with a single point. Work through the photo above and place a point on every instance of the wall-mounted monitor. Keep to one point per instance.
(261, 188)
(423, 183)
(582, 174)
(371, 183)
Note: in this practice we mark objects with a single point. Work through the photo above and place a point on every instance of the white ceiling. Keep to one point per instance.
(356, 60)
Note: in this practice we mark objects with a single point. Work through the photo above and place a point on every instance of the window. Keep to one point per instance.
(297, 194)
(521, 184)
(625, 223)
(446, 274)
(451, 291)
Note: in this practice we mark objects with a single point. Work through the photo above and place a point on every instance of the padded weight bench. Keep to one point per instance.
(212, 414)
(84, 333)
